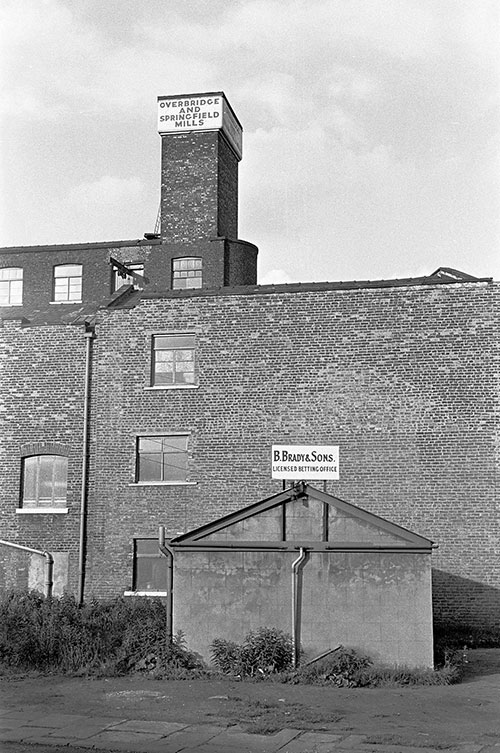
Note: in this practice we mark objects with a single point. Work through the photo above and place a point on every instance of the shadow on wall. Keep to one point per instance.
(464, 601)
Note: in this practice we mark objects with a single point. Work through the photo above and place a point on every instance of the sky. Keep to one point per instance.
(371, 144)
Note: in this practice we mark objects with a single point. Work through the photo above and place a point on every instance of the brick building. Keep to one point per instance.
(144, 382)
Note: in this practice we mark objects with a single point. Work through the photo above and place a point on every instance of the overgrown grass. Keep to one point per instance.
(346, 668)
(125, 635)
(100, 637)
(452, 641)
(266, 653)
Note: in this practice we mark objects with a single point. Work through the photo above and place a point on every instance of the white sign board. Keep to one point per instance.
(200, 112)
(304, 461)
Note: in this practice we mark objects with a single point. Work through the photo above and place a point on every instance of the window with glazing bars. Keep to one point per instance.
(173, 360)
(11, 286)
(187, 272)
(150, 567)
(162, 458)
(68, 283)
(44, 481)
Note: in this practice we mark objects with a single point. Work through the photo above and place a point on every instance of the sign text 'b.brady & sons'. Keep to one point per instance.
(301, 462)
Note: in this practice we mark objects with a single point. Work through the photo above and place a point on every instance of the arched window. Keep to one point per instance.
(44, 481)
(68, 283)
(187, 272)
(11, 286)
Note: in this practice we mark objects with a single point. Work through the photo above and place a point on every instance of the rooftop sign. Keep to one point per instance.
(200, 112)
(301, 461)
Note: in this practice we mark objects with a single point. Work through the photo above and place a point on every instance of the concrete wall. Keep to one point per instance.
(378, 603)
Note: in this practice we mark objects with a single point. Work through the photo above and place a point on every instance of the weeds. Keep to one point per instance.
(100, 637)
(452, 642)
(263, 652)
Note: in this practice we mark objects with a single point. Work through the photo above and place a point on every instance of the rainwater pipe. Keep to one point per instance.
(297, 566)
(49, 560)
(89, 334)
(168, 552)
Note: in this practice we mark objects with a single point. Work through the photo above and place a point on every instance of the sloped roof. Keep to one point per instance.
(302, 516)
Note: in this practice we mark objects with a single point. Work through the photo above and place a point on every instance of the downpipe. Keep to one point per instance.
(85, 463)
(168, 552)
(297, 567)
(49, 564)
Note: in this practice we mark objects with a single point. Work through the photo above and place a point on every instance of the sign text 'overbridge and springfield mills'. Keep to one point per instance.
(301, 462)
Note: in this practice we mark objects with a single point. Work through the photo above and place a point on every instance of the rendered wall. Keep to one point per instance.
(378, 603)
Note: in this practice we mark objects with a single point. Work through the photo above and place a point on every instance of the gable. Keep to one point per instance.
(299, 516)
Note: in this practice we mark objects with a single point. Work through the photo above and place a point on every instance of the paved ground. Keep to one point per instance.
(28, 730)
(188, 717)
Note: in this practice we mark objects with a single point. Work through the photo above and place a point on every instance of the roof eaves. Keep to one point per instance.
(80, 246)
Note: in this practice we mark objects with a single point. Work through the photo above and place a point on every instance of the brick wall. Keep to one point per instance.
(199, 187)
(403, 379)
(41, 405)
(38, 274)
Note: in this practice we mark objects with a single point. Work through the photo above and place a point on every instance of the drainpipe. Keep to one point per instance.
(168, 552)
(85, 461)
(49, 560)
(297, 566)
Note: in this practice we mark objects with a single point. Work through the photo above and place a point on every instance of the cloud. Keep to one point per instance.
(275, 277)
(105, 192)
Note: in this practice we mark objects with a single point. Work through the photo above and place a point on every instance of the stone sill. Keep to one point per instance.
(42, 510)
(164, 483)
(145, 593)
(174, 387)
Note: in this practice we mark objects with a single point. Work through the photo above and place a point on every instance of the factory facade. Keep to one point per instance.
(144, 384)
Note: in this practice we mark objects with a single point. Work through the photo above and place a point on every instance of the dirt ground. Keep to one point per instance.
(424, 716)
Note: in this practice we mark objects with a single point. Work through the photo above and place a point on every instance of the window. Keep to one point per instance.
(68, 283)
(119, 280)
(150, 567)
(44, 481)
(11, 286)
(173, 360)
(187, 272)
(162, 459)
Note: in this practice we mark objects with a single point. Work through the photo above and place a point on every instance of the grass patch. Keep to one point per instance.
(266, 717)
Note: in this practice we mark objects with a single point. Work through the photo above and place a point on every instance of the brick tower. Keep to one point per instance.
(201, 148)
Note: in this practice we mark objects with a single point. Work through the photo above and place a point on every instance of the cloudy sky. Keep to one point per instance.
(371, 127)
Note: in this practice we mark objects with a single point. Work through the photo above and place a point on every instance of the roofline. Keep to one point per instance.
(297, 287)
(196, 537)
(79, 246)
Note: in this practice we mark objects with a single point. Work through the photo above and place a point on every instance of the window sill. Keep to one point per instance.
(57, 303)
(173, 387)
(9, 305)
(42, 510)
(145, 593)
(164, 483)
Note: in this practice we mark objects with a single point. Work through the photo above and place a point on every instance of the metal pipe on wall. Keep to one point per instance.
(296, 605)
(169, 554)
(89, 334)
(49, 560)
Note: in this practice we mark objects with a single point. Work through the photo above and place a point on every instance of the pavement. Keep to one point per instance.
(33, 727)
